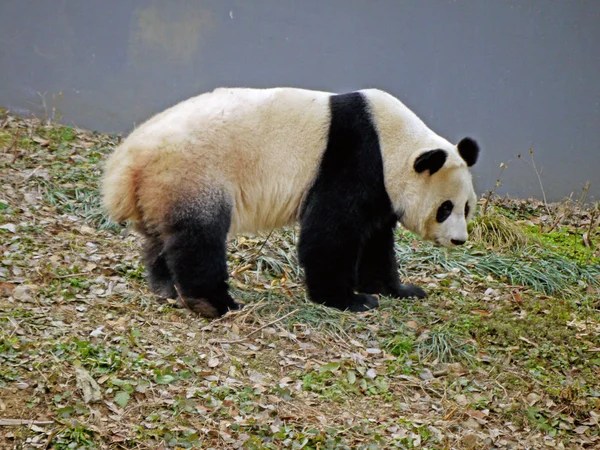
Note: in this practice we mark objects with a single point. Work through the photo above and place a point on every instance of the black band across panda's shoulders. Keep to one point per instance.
(347, 222)
(350, 176)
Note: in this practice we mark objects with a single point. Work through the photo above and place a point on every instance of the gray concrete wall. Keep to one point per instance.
(514, 74)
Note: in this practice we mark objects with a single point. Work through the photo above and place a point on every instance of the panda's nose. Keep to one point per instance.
(457, 241)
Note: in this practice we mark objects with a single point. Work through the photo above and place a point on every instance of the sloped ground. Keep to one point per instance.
(505, 353)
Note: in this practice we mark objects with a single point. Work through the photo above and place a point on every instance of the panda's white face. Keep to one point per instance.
(446, 222)
(442, 200)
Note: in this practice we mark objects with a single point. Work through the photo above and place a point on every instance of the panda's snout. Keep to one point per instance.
(458, 241)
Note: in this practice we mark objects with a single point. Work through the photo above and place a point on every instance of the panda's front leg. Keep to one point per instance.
(377, 270)
(328, 251)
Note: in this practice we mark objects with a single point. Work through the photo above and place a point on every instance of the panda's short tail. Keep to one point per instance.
(119, 188)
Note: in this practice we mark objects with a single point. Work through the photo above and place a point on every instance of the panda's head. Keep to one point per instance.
(441, 199)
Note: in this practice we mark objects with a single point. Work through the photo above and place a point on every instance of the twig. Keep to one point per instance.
(33, 172)
(556, 222)
(524, 339)
(451, 413)
(69, 275)
(584, 194)
(262, 246)
(591, 227)
(51, 436)
(13, 145)
(498, 183)
(18, 422)
(539, 177)
(247, 310)
(237, 341)
(183, 302)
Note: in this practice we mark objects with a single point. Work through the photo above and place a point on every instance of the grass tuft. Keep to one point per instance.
(494, 230)
(444, 347)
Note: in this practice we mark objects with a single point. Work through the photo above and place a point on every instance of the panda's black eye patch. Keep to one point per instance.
(467, 209)
(444, 211)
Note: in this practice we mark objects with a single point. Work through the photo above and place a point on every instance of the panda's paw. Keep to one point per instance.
(200, 306)
(409, 291)
(363, 302)
(163, 291)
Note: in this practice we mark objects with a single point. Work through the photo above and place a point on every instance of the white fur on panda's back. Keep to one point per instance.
(261, 147)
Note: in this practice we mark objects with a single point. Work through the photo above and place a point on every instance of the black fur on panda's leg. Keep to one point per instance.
(328, 250)
(160, 280)
(195, 248)
(329, 282)
(377, 270)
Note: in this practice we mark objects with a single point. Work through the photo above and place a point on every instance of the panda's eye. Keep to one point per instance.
(444, 211)
(467, 209)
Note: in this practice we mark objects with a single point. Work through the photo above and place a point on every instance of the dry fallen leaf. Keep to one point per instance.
(88, 386)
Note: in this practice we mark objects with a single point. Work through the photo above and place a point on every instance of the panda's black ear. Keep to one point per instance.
(469, 150)
(431, 160)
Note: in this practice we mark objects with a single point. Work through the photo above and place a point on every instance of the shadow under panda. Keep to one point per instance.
(348, 167)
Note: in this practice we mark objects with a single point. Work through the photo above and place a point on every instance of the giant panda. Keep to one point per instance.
(347, 166)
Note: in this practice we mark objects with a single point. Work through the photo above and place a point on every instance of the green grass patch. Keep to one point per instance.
(568, 243)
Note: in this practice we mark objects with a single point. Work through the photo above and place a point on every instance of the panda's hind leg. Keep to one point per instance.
(160, 279)
(195, 253)
(377, 270)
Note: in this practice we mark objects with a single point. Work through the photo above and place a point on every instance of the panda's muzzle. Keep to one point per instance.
(458, 241)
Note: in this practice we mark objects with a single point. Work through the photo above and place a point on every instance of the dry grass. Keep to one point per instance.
(497, 231)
